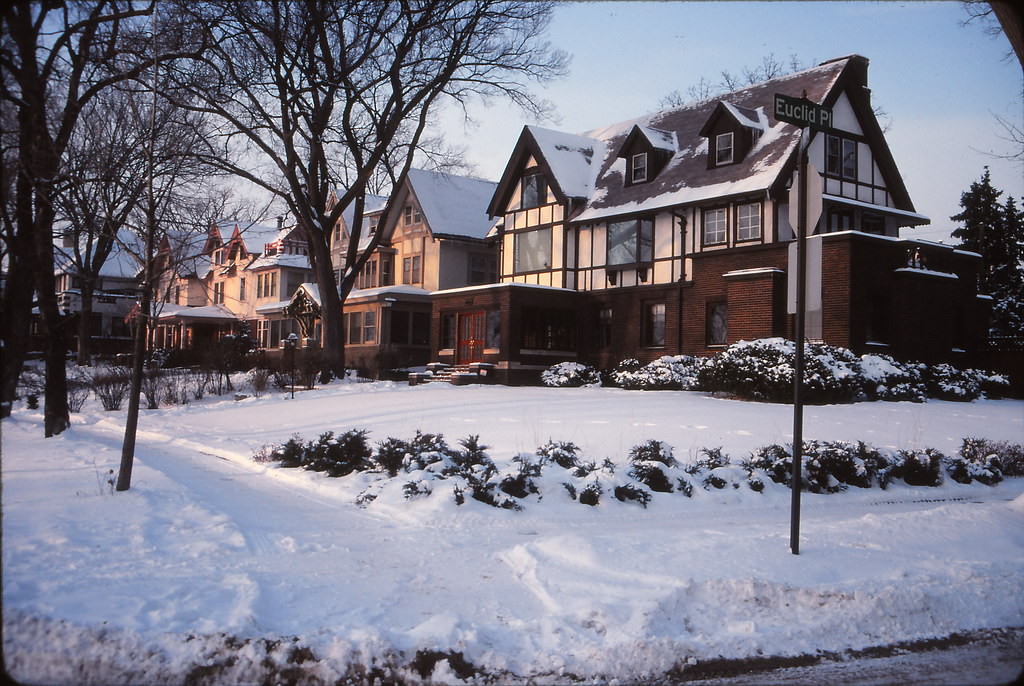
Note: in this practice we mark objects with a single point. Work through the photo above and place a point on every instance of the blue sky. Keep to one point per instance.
(938, 82)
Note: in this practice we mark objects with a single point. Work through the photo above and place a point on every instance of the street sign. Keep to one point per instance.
(802, 112)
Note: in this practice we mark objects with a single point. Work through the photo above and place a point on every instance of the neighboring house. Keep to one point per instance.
(240, 278)
(669, 234)
(436, 238)
(115, 293)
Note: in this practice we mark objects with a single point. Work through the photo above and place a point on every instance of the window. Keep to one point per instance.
(387, 271)
(218, 256)
(723, 148)
(241, 290)
(482, 269)
(420, 328)
(532, 251)
(369, 326)
(448, 331)
(412, 269)
(492, 339)
(717, 327)
(841, 157)
(372, 223)
(548, 329)
(177, 295)
(871, 223)
(367, 275)
(748, 222)
(654, 325)
(534, 191)
(355, 327)
(630, 242)
(604, 327)
(638, 168)
(714, 226)
(840, 220)
(218, 293)
(412, 215)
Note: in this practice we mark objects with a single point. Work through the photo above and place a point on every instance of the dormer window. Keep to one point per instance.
(534, 191)
(638, 167)
(412, 215)
(723, 148)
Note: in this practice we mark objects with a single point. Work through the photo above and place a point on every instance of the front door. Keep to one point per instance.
(471, 337)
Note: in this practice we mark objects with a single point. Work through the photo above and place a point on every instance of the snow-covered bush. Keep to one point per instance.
(338, 455)
(764, 370)
(827, 466)
(569, 375)
(648, 462)
(522, 482)
(981, 451)
(565, 455)
(946, 382)
(671, 372)
(920, 467)
(992, 385)
(623, 370)
(630, 493)
(885, 378)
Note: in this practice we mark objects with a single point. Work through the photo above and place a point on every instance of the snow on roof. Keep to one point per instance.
(398, 289)
(204, 312)
(453, 204)
(122, 262)
(753, 119)
(256, 236)
(279, 260)
(574, 160)
(663, 140)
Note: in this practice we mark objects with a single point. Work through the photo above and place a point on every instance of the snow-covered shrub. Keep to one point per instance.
(985, 470)
(111, 385)
(671, 372)
(1010, 456)
(764, 370)
(425, 450)
(389, 457)
(338, 455)
(611, 377)
(565, 455)
(946, 382)
(653, 451)
(570, 375)
(885, 378)
(826, 466)
(475, 471)
(992, 385)
(631, 493)
(292, 453)
(591, 493)
(416, 489)
(647, 465)
(920, 467)
(521, 483)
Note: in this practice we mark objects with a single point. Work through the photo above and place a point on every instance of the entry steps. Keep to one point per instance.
(459, 374)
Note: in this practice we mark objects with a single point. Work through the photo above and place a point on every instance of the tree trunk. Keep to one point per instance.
(56, 415)
(85, 324)
(16, 324)
(331, 309)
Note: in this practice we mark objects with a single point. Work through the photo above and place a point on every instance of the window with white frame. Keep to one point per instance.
(369, 326)
(630, 242)
(638, 168)
(841, 157)
(715, 225)
(748, 222)
(723, 148)
(532, 251)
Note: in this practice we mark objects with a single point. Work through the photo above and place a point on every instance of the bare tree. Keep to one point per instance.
(330, 100)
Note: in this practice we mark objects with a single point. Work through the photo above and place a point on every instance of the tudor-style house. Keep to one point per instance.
(242, 276)
(436, 238)
(669, 234)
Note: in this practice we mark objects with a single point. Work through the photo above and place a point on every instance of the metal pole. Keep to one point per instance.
(798, 376)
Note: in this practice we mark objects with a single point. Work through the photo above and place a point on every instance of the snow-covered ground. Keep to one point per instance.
(216, 567)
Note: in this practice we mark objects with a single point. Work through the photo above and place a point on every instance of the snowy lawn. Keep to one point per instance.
(218, 567)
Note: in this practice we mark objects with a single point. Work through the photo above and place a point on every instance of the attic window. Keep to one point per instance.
(638, 167)
(534, 191)
(723, 148)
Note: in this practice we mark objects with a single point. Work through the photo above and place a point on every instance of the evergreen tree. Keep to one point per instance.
(996, 232)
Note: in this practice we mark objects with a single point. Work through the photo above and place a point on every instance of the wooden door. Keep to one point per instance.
(471, 337)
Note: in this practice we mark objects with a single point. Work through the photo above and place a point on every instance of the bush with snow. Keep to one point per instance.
(671, 372)
(885, 378)
(570, 375)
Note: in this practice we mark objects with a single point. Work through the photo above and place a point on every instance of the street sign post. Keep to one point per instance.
(807, 115)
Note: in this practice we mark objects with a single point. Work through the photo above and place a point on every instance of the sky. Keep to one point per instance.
(939, 83)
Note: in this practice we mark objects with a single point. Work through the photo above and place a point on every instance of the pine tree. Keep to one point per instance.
(996, 232)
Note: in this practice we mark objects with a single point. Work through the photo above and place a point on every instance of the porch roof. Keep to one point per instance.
(206, 313)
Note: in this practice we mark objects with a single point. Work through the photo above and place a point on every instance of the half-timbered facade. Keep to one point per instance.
(670, 234)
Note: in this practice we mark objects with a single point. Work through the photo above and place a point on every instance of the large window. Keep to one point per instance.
(532, 251)
(717, 327)
(715, 222)
(534, 191)
(630, 242)
(548, 329)
(354, 327)
(841, 157)
(482, 269)
(723, 148)
(654, 325)
(748, 222)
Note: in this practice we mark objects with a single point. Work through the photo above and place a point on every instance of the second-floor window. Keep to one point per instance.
(412, 269)
(748, 222)
(218, 256)
(723, 148)
(482, 269)
(532, 251)
(715, 222)
(266, 285)
(241, 290)
(367, 275)
(841, 157)
(387, 270)
(412, 215)
(218, 293)
(630, 242)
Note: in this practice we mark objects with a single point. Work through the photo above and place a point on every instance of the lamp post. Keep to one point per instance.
(290, 344)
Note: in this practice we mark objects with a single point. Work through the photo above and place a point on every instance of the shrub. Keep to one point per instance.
(678, 373)
(292, 453)
(946, 382)
(992, 385)
(653, 451)
(259, 379)
(111, 386)
(884, 378)
(338, 456)
(521, 483)
(764, 370)
(569, 375)
(827, 466)
(920, 468)
(591, 494)
(711, 458)
(425, 450)
(630, 493)
(981, 451)
(152, 387)
(565, 455)
(473, 466)
(78, 390)
(611, 377)
(390, 455)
